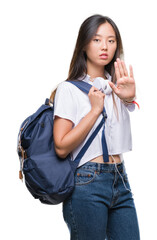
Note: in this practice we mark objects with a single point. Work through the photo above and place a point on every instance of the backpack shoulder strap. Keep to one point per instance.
(85, 87)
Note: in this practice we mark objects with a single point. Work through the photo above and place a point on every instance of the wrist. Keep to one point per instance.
(128, 100)
(96, 112)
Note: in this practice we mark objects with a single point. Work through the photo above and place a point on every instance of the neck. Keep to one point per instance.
(95, 71)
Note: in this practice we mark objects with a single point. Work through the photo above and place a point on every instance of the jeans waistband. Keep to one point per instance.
(102, 167)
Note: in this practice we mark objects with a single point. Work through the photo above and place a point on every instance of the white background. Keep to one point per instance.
(37, 39)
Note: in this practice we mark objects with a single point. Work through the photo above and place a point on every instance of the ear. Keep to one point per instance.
(84, 49)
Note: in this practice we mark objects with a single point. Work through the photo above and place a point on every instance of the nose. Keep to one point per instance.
(104, 45)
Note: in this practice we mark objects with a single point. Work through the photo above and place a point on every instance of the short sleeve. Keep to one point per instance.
(65, 102)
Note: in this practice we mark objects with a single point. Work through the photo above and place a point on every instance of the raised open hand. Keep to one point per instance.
(125, 86)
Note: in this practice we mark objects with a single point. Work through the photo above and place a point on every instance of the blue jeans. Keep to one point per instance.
(101, 206)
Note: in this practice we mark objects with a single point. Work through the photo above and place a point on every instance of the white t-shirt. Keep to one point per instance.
(73, 104)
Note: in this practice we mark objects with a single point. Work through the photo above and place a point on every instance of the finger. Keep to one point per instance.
(114, 88)
(120, 67)
(94, 89)
(117, 71)
(124, 68)
(131, 71)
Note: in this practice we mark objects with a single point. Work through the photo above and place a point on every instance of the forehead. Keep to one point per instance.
(105, 30)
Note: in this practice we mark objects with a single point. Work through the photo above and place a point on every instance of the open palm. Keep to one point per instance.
(125, 85)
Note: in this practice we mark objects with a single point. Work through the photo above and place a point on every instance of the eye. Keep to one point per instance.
(111, 41)
(96, 40)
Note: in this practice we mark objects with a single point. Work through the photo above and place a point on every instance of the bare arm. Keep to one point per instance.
(67, 139)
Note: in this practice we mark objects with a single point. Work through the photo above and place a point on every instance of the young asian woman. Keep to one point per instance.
(101, 205)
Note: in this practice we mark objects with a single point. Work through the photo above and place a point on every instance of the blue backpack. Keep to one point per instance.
(48, 177)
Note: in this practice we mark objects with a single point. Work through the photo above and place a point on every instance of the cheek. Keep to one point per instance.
(90, 51)
(113, 50)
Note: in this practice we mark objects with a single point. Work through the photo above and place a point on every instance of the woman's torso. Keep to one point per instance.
(117, 131)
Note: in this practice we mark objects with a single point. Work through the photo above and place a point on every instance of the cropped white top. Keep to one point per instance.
(73, 104)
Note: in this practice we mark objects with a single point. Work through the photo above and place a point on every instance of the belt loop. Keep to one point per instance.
(99, 166)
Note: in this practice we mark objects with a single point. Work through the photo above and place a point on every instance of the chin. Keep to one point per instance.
(103, 64)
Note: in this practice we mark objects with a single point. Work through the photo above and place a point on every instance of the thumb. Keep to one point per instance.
(113, 86)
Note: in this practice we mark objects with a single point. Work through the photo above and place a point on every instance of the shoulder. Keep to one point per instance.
(67, 90)
(66, 86)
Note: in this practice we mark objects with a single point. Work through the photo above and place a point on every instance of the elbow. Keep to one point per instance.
(61, 153)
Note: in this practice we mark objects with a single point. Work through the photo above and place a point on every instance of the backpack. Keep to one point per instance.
(48, 177)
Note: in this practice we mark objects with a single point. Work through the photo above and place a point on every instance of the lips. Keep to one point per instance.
(104, 54)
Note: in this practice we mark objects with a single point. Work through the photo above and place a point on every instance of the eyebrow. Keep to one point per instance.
(101, 35)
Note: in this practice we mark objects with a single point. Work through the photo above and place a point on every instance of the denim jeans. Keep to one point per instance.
(101, 206)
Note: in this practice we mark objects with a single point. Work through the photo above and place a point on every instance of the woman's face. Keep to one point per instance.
(101, 49)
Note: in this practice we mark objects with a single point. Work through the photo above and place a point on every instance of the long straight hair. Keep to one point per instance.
(78, 65)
